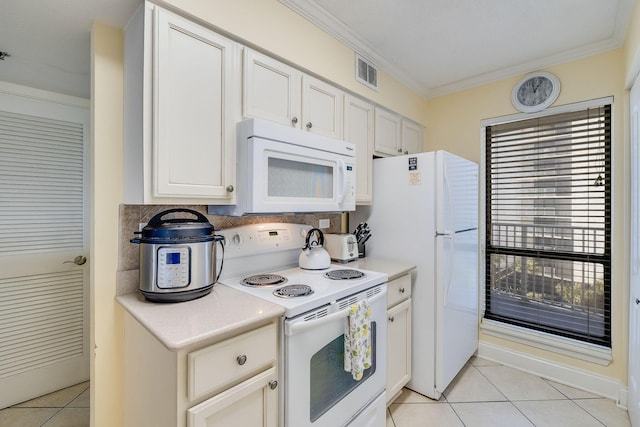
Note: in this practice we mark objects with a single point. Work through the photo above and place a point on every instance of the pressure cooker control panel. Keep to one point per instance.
(174, 267)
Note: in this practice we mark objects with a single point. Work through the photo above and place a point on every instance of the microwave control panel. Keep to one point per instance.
(174, 267)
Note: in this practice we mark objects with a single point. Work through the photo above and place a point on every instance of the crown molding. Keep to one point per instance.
(317, 15)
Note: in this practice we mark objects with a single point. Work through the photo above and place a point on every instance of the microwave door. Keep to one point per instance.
(289, 178)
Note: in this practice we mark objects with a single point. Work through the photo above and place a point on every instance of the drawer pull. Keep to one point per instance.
(273, 384)
(401, 290)
(391, 319)
(242, 359)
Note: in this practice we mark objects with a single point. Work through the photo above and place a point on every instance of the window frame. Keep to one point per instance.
(593, 350)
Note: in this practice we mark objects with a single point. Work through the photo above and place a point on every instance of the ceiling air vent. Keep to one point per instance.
(366, 73)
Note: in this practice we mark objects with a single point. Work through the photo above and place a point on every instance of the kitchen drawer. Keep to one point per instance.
(222, 364)
(398, 290)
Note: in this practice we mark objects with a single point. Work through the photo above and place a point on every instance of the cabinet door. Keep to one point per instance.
(398, 348)
(322, 107)
(271, 89)
(194, 131)
(358, 129)
(250, 403)
(387, 134)
(412, 137)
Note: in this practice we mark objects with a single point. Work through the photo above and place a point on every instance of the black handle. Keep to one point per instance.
(157, 220)
(319, 238)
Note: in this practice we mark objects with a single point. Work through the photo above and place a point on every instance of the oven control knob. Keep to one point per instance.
(273, 384)
(236, 239)
(242, 359)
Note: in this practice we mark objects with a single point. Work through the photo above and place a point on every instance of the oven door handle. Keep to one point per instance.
(296, 327)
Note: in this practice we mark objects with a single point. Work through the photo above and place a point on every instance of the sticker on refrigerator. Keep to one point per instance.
(414, 178)
(414, 174)
(413, 163)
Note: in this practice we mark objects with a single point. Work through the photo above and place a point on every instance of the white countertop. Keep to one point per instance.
(393, 269)
(223, 313)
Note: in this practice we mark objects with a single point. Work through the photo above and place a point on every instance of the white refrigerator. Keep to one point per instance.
(425, 212)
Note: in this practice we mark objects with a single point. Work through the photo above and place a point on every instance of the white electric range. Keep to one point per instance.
(261, 259)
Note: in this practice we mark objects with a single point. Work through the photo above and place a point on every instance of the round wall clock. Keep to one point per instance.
(535, 92)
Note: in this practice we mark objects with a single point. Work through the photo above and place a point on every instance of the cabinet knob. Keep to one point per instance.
(230, 188)
(401, 290)
(273, 384)
(391, 319)
(309, 125)
(399, 150)
(406, 152)
(294, 120)
(637, 301)
(242, 359)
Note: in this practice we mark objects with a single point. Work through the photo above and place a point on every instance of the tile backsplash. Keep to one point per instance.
(133, 215)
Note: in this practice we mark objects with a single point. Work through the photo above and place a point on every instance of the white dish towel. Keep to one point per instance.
(357, 339)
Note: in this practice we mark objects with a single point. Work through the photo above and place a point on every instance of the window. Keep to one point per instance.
(548, 224)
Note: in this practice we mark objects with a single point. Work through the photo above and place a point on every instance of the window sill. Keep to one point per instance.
(566, 346)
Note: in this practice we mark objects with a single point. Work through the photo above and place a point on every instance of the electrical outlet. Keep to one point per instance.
(141, 225)
(324, 223)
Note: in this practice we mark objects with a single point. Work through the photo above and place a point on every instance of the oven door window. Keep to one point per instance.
(330, 383)
(298, 179)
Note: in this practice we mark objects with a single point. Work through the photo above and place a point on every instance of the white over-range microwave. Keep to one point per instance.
(284, 170)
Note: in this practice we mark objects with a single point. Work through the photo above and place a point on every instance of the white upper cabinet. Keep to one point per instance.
(412, 137)
(322, 107)
(388, 130)
(275, 91)
(359, 129)
(396, 135)
(181, 95)
(271, 89)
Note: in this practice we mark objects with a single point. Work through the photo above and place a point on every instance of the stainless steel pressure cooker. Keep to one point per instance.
(177, 257)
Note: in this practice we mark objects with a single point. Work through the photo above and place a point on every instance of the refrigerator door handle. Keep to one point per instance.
(447, 282)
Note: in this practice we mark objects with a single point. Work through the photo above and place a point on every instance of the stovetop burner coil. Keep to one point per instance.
(293, 291)
(343, 274)
(264, 280)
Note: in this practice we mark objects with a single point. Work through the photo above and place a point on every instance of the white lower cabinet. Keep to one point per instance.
(233, 382)
(250, 403)
(398, 335)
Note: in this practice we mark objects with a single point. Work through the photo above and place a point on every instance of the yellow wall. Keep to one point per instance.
(106, 195)
(454, 124)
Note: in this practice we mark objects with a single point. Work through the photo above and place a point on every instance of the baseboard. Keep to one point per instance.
(610, 388)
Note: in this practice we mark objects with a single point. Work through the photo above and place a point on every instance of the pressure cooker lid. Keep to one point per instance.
(177, 229)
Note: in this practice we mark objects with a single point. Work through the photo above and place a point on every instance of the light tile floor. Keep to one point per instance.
(68, 407)
(486, 394)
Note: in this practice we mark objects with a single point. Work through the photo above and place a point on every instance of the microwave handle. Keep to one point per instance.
(342, 180)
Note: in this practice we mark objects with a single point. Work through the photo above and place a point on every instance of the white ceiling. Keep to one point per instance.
(433, 46)
(442, 46)
(49, 41)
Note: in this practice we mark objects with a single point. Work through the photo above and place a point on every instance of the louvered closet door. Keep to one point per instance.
(44, 334)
